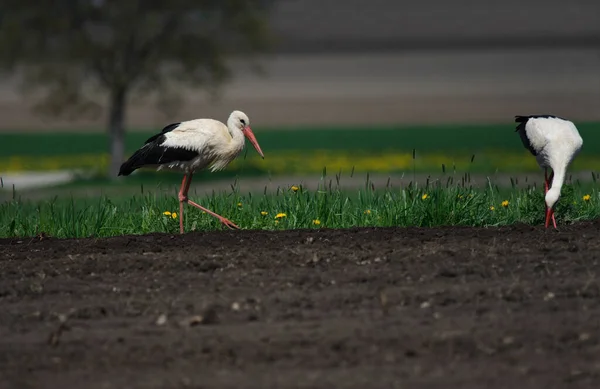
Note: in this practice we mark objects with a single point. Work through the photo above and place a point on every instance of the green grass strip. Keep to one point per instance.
(328, 207)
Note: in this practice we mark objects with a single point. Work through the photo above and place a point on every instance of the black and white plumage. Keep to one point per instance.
(191, 146)
(156, 153)
(554, 142)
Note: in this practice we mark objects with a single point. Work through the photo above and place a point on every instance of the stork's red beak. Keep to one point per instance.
(550, 216)
(250, 135)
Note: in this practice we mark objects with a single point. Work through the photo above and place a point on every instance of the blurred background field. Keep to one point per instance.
(297, 154)
(496, 148)
(360, 91)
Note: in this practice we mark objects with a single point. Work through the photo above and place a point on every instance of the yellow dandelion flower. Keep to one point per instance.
(587, 197)
(316, 222)
(174, 215)
(167, 213)
(425, 196)
(280, 215)
(492, 208)
(367, 212)
(240, 205)
(294, 188)
(505, 203)
(264, 213)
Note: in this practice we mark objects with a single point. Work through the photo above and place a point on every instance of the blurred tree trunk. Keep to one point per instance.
(116, 130)
(122, 47)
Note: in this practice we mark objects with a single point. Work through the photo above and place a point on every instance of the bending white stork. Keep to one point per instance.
(194, 145)
(554, 142)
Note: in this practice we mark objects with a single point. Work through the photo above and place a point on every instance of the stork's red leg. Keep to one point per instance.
(227, 223)
(549, 186)
(547, 183)
(187, 184)
(546, 191)
(550, 216)
(183, 198)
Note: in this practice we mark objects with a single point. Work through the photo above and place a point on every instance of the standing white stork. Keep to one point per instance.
(194, 145)
(554, 142)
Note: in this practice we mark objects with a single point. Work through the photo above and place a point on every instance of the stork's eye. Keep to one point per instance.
(243, 121)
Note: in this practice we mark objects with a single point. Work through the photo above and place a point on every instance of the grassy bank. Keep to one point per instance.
(295, 207)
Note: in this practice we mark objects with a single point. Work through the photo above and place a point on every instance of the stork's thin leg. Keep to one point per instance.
(227, 223)
(549, 186)
(183, 198)
(545, 190)
(187, 184)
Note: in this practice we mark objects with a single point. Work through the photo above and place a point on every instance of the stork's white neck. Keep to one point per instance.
(560, 174)
(237, 136)
(237, 143)
(235, 122)
(557, 182)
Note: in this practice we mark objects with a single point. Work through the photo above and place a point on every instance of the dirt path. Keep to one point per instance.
(361, 308)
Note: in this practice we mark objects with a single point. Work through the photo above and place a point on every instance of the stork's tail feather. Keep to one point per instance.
(126, 169)
(521, 118)
(132, 164)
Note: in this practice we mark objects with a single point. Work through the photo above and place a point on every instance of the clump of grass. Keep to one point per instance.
(447, 203)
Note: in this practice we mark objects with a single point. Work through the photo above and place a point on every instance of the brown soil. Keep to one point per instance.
(362, 308)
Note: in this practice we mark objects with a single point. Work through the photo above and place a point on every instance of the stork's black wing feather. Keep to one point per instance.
(168, 128)
(519, 118)
(154, 153)
(522, 120)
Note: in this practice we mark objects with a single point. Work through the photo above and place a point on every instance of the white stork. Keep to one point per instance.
(554, 142)
(194, 145)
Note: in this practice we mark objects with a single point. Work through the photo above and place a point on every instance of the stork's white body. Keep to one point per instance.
(554, 142)
(216, 146)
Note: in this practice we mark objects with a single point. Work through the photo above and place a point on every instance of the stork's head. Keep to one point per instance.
(239, 120)
(552, 197)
